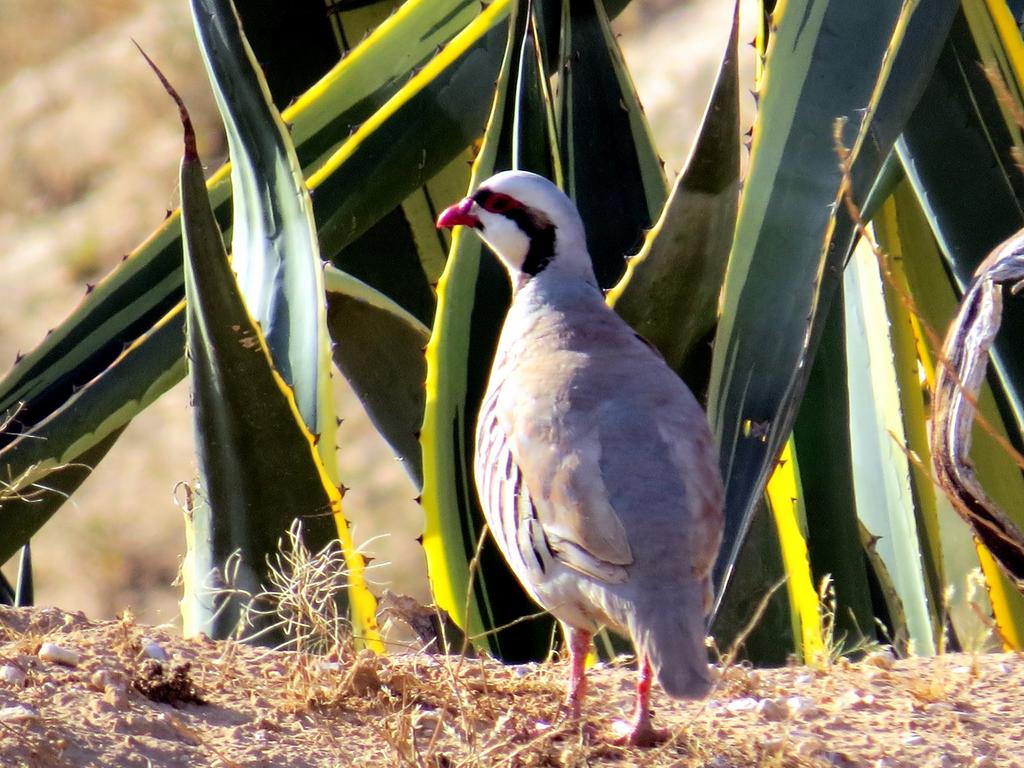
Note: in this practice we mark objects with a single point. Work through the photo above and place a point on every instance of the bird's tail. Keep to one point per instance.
(670, 633)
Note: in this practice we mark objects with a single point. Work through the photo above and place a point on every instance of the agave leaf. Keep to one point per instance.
(997, 38)
(534, 144)
(275, 254)
(60, 451)
(669, 292)
(904, 338)
(604, 140)
(276, 356)
(25, 507)
(889, 609)
(295, 44)
(376, 68)
(760, 575)
(249, 496)
(791, 240)
(786, 499)
(121, 309)
(881, 468)
(403, 254)
(380, 351)
(439, 112)
(828, 486)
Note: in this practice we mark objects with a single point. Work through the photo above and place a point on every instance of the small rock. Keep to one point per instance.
(59, 655)
(884, 762)
(772, 711)
(746, 704)
(810, 747)
(153, 650)
(773, 746)
(883, 659)
(912, 740)
(801, 706)
(116, 698)
(804, 679)
(102, 679)
(854, 699)
(19, 713)
(113, 686)
(983, 761)
(12, 675)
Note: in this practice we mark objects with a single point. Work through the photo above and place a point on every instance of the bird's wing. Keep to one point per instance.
(570, 499)
(609, 459)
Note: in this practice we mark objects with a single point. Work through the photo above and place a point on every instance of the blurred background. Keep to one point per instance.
(89, 149)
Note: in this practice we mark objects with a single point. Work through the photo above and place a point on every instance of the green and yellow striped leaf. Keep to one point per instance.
(791, 238)
(261, 375)
(670, 290)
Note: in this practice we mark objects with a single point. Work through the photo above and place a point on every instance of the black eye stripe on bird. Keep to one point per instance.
(495, 202)
(579, 416)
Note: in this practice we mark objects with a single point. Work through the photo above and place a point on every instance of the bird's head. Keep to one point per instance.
(528, 222)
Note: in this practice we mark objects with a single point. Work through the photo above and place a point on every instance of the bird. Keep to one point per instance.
(594, 464)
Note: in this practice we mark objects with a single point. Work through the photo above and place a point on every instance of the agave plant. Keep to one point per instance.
(821, 357)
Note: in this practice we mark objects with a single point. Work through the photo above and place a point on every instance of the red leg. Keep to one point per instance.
(640, 732)
(579, 647)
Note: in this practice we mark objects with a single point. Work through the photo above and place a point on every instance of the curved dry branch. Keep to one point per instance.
(961, 373)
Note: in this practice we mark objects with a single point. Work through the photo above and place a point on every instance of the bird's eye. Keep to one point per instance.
(496, 202)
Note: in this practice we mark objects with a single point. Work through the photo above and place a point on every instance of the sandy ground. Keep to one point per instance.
(136, 695)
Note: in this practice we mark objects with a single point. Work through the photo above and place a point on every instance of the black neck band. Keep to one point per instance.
(542, 241)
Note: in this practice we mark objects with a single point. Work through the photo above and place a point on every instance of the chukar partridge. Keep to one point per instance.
(594, 463)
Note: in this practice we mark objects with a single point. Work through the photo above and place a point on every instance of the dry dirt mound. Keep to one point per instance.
(75, 692)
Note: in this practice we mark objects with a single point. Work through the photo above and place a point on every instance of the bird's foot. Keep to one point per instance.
(638, 733)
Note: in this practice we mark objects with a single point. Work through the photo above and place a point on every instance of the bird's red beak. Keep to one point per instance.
(458, 214)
